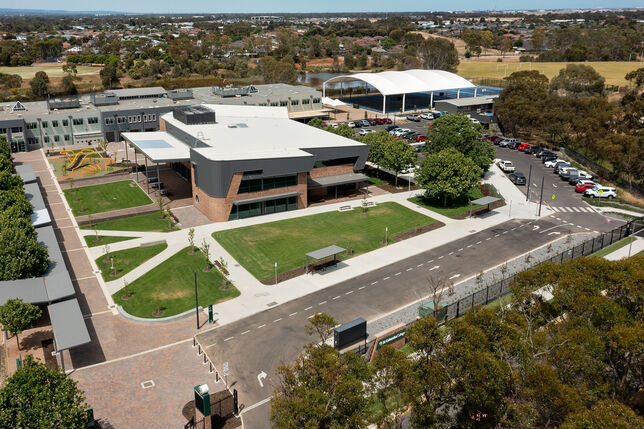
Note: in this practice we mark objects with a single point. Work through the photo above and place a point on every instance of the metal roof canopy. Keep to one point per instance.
(26, 173)
(339, 179)
(325, 252)
(68, 325)
(483, 201)
(266, 198)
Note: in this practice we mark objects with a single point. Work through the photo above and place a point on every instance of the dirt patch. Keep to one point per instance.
(177, 294)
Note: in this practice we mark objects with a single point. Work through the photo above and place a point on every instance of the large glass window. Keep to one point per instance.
(257, 185)
(337, 161)
(278, 205)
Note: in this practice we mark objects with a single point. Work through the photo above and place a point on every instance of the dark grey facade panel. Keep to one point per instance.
(328, 153)
(214, 177)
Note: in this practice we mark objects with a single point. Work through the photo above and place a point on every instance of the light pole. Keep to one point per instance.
(275, 272)
(541, 197)
(386, 235)
(527, 197)
(196, 300)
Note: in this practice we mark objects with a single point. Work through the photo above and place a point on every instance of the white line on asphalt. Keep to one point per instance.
(277, 320)
(210, 345)
(261, 326)
(489, 238)
(434, 267)
(292, 314)
(409, 269)
(430, 261)
(336, 297)
(323, 302)
(245, 332)
(229, 338)
(386, 278)
(454, 276)
(361, 287)
(496, 235)
(419, 265)
(308, 317)
(554, 186)
(441, 257)
(460, 250)
(596, 232)
(376, 282)
(469, 245)
(308, 308)
(348, 293)
(479, 242)
(587, 229)
(397, 274)
(580, 227)
(513, 229)
(258, 404)
(505, 232)
(450, 253)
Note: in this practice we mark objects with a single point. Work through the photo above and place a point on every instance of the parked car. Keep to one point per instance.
(517, 178)
(507, 141)
(566, 172)
(389, 128)
(548, 157)
(551, 164)
(496, 139)
(513, 145)
(544, 152)
(401, 131)
(600, 192)
(559, 165)
(380, 121)
(387, 120)
(365, 131)
(414, 118)
(506, 166)
(421, 138)
(364, 123)
(523, 146)
(582, 186)
(351, 124)
(427, 116)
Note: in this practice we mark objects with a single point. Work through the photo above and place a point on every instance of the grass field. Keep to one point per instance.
(171, 287)
(613, 71)
(105, 197)
(453, 208)
(53, 70)
(286, 242)
(126, 260)
(104, 239)
(146, 222)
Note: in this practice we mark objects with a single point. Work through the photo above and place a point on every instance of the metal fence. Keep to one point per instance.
(502, 288)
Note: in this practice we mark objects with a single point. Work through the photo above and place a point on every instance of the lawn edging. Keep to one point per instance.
(145, 320)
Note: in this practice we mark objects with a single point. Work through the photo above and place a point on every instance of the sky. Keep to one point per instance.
(308, 6)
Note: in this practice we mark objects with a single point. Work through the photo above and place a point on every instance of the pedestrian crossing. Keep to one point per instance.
(564, 209)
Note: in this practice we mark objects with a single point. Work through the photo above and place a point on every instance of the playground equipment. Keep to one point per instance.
(78, 157)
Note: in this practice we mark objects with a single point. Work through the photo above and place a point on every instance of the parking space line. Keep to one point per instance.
(277, 320)
(386, 278)
(261, 326)
(397, 274)
(308, 308)
(361, 287)
(374, 283)
(489, 238)
(479, 242)
(409, 269)
(441, 257)
(348, 293)
(336, 297)
(245, 332)
(323, 302)
(419, 265)
(450, 253)
(460, 250)
(430, 261)
(229, 338)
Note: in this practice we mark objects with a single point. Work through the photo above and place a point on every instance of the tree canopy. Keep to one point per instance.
(578, 80)
(17, 316)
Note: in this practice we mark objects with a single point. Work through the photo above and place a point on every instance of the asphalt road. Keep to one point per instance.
(260, 343)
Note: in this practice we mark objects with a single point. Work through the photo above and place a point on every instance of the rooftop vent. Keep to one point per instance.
(193, 115)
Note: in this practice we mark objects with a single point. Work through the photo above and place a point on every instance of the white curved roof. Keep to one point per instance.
(408, 81)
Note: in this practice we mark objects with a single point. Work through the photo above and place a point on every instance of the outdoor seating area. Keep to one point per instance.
(323, 255)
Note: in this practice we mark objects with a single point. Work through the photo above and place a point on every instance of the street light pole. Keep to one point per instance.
(541, 197)
(275, 272)
(527, 197)
(196, 300)
(386, 235)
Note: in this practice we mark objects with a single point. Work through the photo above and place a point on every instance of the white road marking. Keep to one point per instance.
(245, 332)
(409, 269)
(489, 238)
(373, 283)
(258, 404)
(361, 287)
(496, 235)
(261, 326)
(596, 232)
(479, 242)
(450, 253)
(397, 274)
(434, 267)
(348, 293)
(576, 209)
(308, 308)
(469, 245)
(277, 320)
(441, 257)
(459, 250)
(554, 186)
(229, 338)
(556, 226)
(292, 314)
(430, 261)
(505, 232)
(336, 297)
(579, 226)
(323, 302)
(386, 278)
(455, 276)
(587, 229)
(310, 316)
(419, 265)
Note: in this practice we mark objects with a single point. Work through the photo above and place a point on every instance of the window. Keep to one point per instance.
(16, 129)
(255, 185)
(32, 140)
(56, 138)
(77, 121)
(65, 123)
(92, 120)
(54, 124)
(306, 101)
(109, 121)
(130, 119)
(3, 131)
(295, 102)
(274, 103)
(252, 173)
(46, 138)
(32, 125)
(194, 172)
(45, 124)
(336, 161)
(283, 103)
(316, 101)
(66, 137)
(121, 119)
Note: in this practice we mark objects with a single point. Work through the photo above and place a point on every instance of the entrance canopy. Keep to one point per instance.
(158, 146)
(339, 179)
(408, 81)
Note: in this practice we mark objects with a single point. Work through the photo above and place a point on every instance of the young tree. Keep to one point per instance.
(36, 396)
(191, 239)
(321, 324)
(17, 316)
(160, 207)
(636, 76)
(205, 250)
(447, 175)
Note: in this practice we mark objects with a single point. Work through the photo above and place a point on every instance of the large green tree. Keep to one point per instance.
(20, 254)
(447, 175)
(578, 80)
(458, 132)
(36, 397)
(520, 105)
(40, 84)
(17, 316)
(398, 156)
(109, 76)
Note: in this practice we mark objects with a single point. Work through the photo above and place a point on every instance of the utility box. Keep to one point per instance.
(349, 333)
(428, 308)
(202, 399)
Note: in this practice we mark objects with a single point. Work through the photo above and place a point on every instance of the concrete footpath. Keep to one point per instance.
(629, 250)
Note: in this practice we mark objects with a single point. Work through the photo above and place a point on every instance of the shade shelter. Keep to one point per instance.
(323, 253)
(68, 325)
(483, 201)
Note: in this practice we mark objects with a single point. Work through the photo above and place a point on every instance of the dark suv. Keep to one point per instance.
(517, 178)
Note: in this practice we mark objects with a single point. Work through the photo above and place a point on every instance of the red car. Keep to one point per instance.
(421, 138)
(372, 121)
(496, 139)
(522, 147)
(581, 187)
(380, 121)
(387, 121)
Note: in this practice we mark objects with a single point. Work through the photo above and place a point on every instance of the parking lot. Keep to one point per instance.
(420, 127)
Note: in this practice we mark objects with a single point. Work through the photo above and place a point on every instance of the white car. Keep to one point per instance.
(427, 116)
(400, 131)
(334, 125)
(351, 124)
(365, 131)
(506, 166)
(475, 121)
(586, 181)
(553, 162)
(600, 192)
(584, 175)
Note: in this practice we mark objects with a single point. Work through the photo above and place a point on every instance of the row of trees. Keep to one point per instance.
(573, 110)
(572, 362)
(20, 254)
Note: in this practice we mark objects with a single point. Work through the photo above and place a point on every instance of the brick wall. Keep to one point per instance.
(331, 171)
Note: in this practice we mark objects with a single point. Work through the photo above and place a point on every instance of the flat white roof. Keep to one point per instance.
(407, 81)
(254, 132)
(159, 146)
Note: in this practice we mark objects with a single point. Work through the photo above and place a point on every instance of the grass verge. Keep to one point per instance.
(286, 242)
(104, 239)
(149, 222)
(126, 260)
(613, 247)
(454, 208)
(169, 287)
(105, 197)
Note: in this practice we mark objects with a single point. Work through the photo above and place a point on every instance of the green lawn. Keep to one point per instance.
(170, 286)
(146, 222)
(613, 247)
(453, 208)
(126, 260)
(286, 242)
(104, 239)
(377, 182)
(105, 197)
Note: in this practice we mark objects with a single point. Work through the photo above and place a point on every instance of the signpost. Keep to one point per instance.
(225, 368)
(211, 319)
(391, 338)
